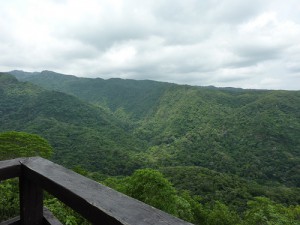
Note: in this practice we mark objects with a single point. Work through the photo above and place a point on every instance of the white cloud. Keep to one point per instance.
(251, 44)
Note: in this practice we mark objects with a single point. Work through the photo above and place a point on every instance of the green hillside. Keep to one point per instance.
(80, 133)
(230, 153)
(137, 98)
(257, 136)
(254, 134)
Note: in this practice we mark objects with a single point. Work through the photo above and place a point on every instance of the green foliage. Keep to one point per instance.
(9, 199)
(80, 133)
(249, 133)
(20, 144)
(137, 98)
(190, 209)
(151, 187)
(220, 214)
(63, 213)
(256, 138)
(14, 145)
(294, 212)
(226, 145)
(263, 211)
(227, 188)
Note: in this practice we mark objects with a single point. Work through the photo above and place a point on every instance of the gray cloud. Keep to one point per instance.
(250, 44)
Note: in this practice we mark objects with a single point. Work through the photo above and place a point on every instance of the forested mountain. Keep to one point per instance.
(137, 98)
(226, 145)
(81, 134)
(257, 136)
(251, 133)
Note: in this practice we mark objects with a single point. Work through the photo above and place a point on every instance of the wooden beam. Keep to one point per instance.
(31, 201)
(49, 218)
(13, 221)
(10, 168)
(97, 203)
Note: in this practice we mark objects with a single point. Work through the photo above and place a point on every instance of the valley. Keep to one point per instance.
(223, 144)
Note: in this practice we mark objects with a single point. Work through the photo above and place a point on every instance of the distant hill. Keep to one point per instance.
(137, 98)
(80, 133)
(223, 145)
(253, 134)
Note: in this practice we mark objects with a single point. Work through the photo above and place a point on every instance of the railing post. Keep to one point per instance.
(94, 201)
(31, 202)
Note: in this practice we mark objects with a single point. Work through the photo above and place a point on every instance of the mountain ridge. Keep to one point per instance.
(250, 133)
(79, 132)
(223, 149)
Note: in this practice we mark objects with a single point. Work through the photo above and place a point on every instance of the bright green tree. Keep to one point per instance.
(13, 145)
(220, 214)
(192, 211)
(20, 144)
(151, 187)
(9, 201)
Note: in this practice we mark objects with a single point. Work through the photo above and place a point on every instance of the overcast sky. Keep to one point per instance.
(237, 43)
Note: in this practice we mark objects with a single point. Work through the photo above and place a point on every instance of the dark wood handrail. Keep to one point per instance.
(97, 203)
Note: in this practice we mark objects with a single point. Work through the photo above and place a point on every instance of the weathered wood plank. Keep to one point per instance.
(13, 221)
(49, 218)
(10, 168)
(96, 202)
(31, 201)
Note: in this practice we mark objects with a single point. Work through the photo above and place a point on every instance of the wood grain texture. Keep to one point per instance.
(10, 168)
(31, 201)
(97, 203)
(49, 218)
(13, 221)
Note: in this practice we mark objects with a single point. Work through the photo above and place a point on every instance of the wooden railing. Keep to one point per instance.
(95, 202)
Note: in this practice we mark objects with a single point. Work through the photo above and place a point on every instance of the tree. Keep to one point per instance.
(151, 187)
(9, 199)
(262, 211)
(20, 144)
(13, 145)
(221, 215)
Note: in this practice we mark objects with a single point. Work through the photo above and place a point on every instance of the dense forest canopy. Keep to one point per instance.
(250, 133)
(14, 145)
(21, 144)
(220, 152)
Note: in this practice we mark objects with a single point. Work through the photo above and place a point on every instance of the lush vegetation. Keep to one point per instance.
(80, 133)
(215, 152)
(151, 187)
(14, 145)
(137, 98)
(258, 140)
(20, 144)
(229, 189)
